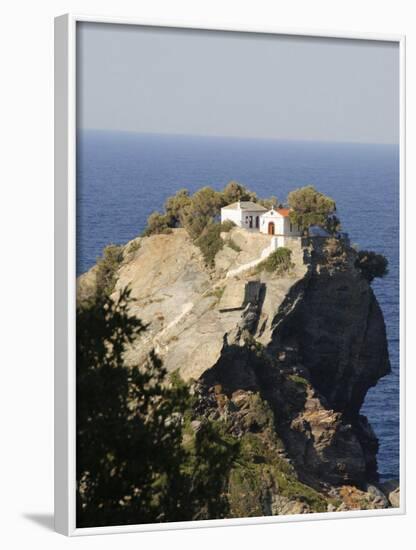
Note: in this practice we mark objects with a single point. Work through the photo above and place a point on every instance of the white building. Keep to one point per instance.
(245, 214)
(277, 222)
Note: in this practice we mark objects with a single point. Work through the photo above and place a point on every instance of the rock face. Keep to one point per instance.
(338, 329)
(391, 490)
(307, 344)
(333, 326)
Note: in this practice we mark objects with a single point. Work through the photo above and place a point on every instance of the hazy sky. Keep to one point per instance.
(235, 84)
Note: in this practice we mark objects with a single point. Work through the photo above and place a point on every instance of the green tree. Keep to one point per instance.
(227, 226)
(234, 192)
(195, 213)
(210, 242)
(203, 207)
(132, 466)
(212, 454)
(157, 223)
(371, 264)
(310, 207)
(175, 205)
(107, 267)
(271, 202)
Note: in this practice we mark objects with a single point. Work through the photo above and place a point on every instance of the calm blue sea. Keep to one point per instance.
(123, 177)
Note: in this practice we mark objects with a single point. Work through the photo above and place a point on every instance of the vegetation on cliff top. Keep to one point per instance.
(197, 213)
(310, 207)
(107, 267)
(371, 264)
(210, 241)
(278, 261)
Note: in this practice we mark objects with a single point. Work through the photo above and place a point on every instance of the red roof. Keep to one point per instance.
(284, 212)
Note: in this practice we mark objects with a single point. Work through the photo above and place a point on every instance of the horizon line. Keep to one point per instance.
(248, 138)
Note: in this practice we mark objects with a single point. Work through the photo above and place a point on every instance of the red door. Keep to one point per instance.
(271, 228)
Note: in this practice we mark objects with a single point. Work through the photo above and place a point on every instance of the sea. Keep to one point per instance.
(122, 177)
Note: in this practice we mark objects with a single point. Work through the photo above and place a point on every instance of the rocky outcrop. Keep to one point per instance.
(337, 328)
(333, 326)
(284, 359)
(391, 490)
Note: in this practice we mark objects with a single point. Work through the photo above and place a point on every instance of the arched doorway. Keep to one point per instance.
(271, 228)
(257, 222)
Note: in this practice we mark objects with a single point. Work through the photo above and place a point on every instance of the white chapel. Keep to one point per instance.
(253, 216)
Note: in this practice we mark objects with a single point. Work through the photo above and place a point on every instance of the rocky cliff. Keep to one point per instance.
(285, 359)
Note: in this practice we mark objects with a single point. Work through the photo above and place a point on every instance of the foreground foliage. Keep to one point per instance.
(132, 466)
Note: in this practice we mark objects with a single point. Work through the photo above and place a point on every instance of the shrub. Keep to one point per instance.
(227, 226)
(107, 267)
(278, 261)
(371, 264)
(157, 223)
(210, 243)
(335, 252)
(175, 205)
(260, 471)
(333, 224)
(134, 246)
(298, 379)
(232, 244)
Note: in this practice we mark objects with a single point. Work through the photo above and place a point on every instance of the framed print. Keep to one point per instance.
(229, 290)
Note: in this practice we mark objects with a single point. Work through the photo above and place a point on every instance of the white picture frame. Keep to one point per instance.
(65, 276)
